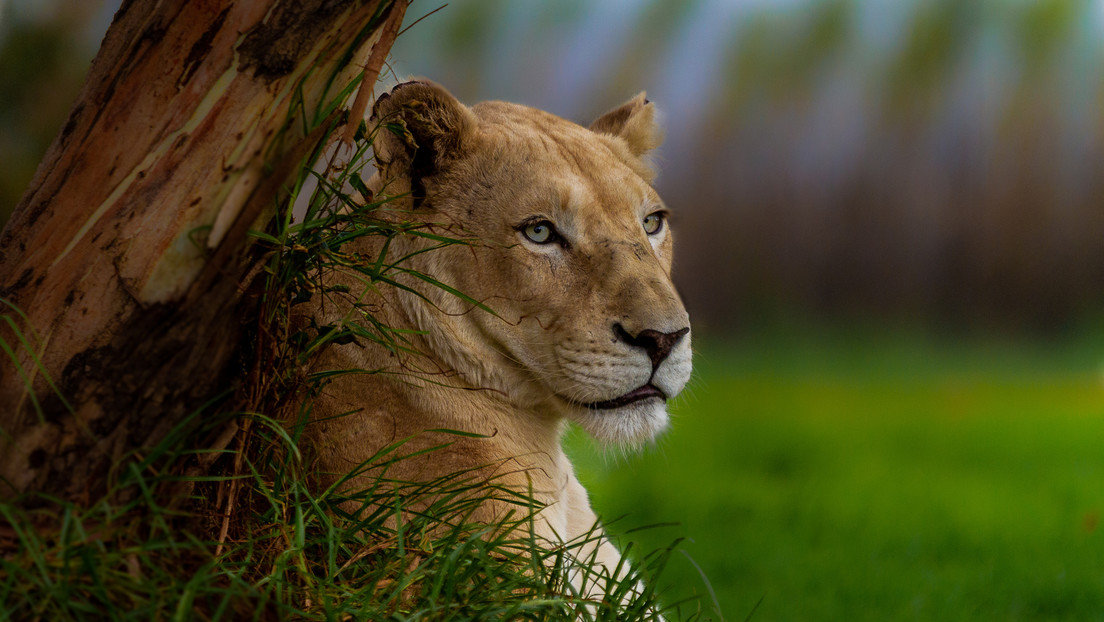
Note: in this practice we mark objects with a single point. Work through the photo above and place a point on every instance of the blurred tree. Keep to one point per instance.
(650, 44)
(42, 64)
(1043, 27)
(122, 269)
(934, 46)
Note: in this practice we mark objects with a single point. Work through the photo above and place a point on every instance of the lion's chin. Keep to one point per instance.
(631, 424)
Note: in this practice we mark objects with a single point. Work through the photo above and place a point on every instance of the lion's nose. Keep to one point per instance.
(658, 345)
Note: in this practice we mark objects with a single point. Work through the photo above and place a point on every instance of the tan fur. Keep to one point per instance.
(518, 375)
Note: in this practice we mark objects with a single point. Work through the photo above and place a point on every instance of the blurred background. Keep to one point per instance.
(933, 160)
(890, 234)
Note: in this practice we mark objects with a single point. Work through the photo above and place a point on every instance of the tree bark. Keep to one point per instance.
(121, 269)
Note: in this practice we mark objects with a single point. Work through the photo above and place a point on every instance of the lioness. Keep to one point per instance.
(571, 250)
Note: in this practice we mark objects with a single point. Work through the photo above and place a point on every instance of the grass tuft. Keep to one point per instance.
(398, 550)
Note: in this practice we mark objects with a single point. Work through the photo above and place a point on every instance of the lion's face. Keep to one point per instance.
(572, 253)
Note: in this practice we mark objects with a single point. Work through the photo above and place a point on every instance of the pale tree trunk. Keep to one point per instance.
(121, 270)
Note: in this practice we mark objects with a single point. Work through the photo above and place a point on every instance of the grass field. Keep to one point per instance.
(853, 477)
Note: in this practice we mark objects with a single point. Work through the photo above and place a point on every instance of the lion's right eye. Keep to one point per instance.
(654, 223)
(541, 232)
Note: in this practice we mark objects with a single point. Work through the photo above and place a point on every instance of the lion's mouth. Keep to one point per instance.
(645, 392)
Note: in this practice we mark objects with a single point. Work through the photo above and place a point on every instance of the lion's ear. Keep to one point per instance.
(635, 122)
(422, 127)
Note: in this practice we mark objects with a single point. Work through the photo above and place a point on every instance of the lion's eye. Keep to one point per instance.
(541, 232)
(653, 223)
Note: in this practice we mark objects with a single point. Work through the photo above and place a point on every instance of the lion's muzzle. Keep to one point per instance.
(658, 345)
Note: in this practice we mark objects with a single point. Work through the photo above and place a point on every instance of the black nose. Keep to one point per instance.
(658, 345)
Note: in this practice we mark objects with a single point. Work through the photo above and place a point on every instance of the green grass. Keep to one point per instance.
(396, 551)
(852, 477)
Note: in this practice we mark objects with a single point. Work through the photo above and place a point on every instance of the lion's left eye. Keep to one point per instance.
(541, 232)
(653, 223)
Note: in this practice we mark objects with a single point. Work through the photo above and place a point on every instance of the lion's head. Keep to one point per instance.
(571, 250)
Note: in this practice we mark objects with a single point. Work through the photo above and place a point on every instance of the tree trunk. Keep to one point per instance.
(121, 269)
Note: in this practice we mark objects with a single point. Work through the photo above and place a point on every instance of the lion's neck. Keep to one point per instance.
(515, 435)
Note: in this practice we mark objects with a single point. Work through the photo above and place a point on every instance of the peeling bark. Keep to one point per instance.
(127, 254)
